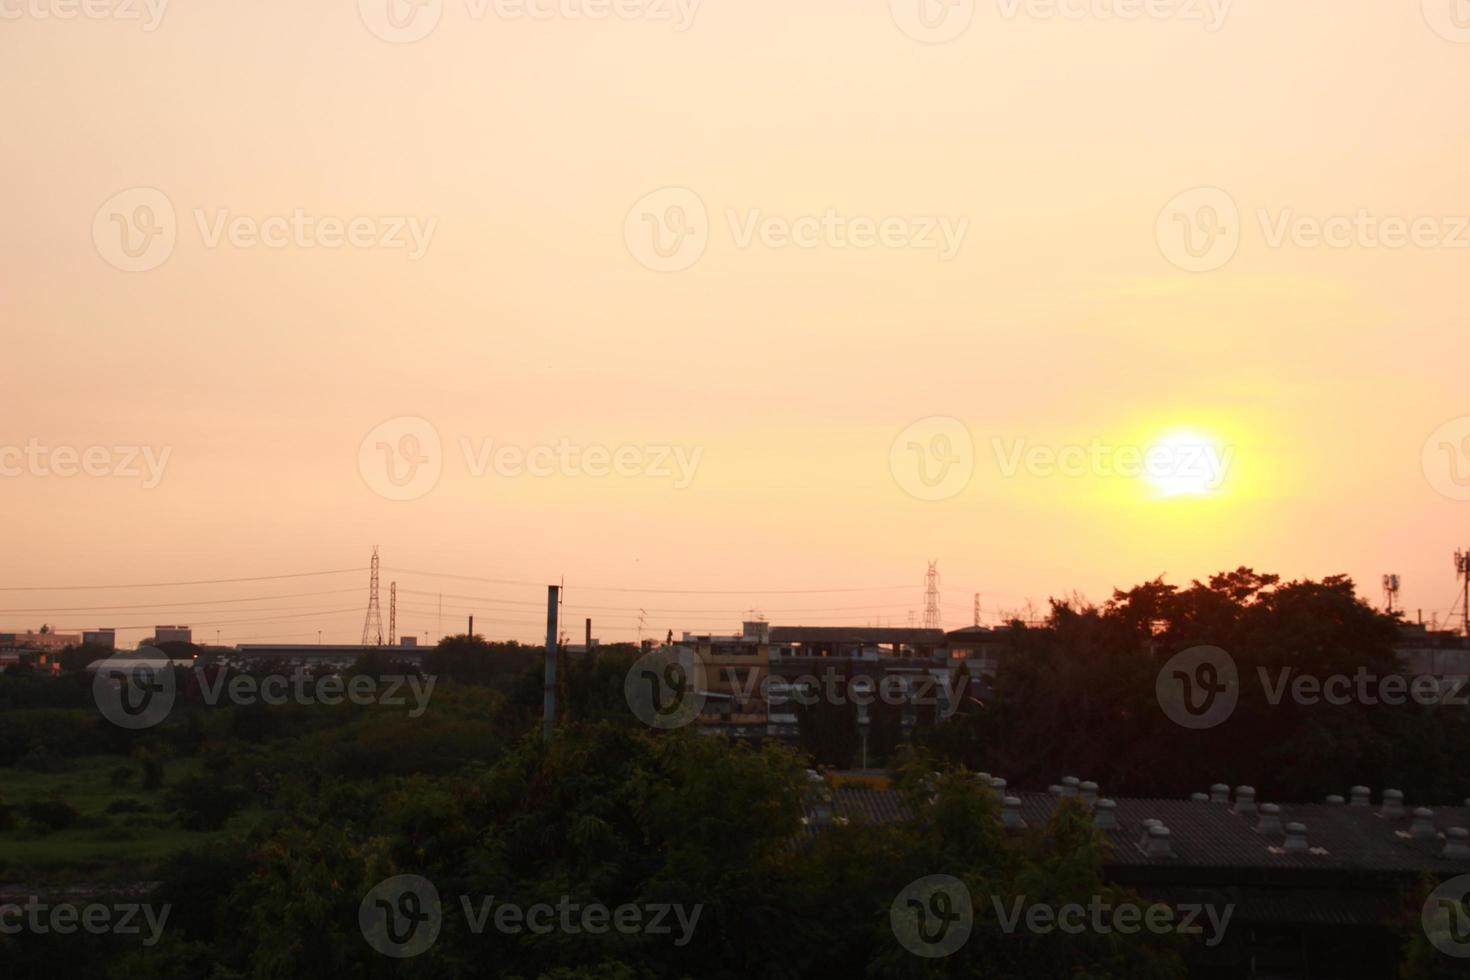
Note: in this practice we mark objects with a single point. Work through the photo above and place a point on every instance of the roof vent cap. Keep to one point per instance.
(1105, 815)
(1296, 839)
(1158, 845)
(1361, 796)
(1335, 800)
(1393, 804)
(1200, 797)
(1270, 822)
(1069, 785)
(1423, 825)
(1245, 801)
(1010, 815)
(1457, 844)
(1089, 791)
(1219, 793)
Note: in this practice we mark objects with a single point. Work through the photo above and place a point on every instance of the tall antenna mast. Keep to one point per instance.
(977, 609)
(1462, 571)
(931, 597)
(1390, 593)
(392, 614)
(372, 626)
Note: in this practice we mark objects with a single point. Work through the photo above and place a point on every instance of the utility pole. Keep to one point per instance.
(1462, 569)
(472, 626)
(589, 634)
(977, 609)
(548, 702)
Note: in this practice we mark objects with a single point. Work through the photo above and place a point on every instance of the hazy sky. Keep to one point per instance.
(766, 250)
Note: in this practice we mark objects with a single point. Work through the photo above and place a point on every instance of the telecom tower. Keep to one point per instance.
(1390, 593)
(1462, 572)
(931, 597)
(392, 614)
(372, 627)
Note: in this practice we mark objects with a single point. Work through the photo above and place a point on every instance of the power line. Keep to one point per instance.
(612, 588)
(169, 604)
(163, 585)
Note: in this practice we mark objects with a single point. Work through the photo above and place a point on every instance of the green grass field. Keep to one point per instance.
(101, 845)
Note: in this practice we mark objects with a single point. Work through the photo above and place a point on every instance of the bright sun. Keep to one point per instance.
(1185, 464)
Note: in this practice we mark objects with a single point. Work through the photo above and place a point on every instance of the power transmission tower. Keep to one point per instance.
(372, 626)
(931, 597)
(392, 614)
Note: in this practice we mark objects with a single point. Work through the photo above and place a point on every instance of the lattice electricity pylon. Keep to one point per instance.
(372, 626)
(931, 597)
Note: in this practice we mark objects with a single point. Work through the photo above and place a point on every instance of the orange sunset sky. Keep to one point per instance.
(555, 166)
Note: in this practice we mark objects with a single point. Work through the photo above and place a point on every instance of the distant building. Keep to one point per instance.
(1433, 653)
(735, 669)
(173, 634)
(106, 638)
(30, 640)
